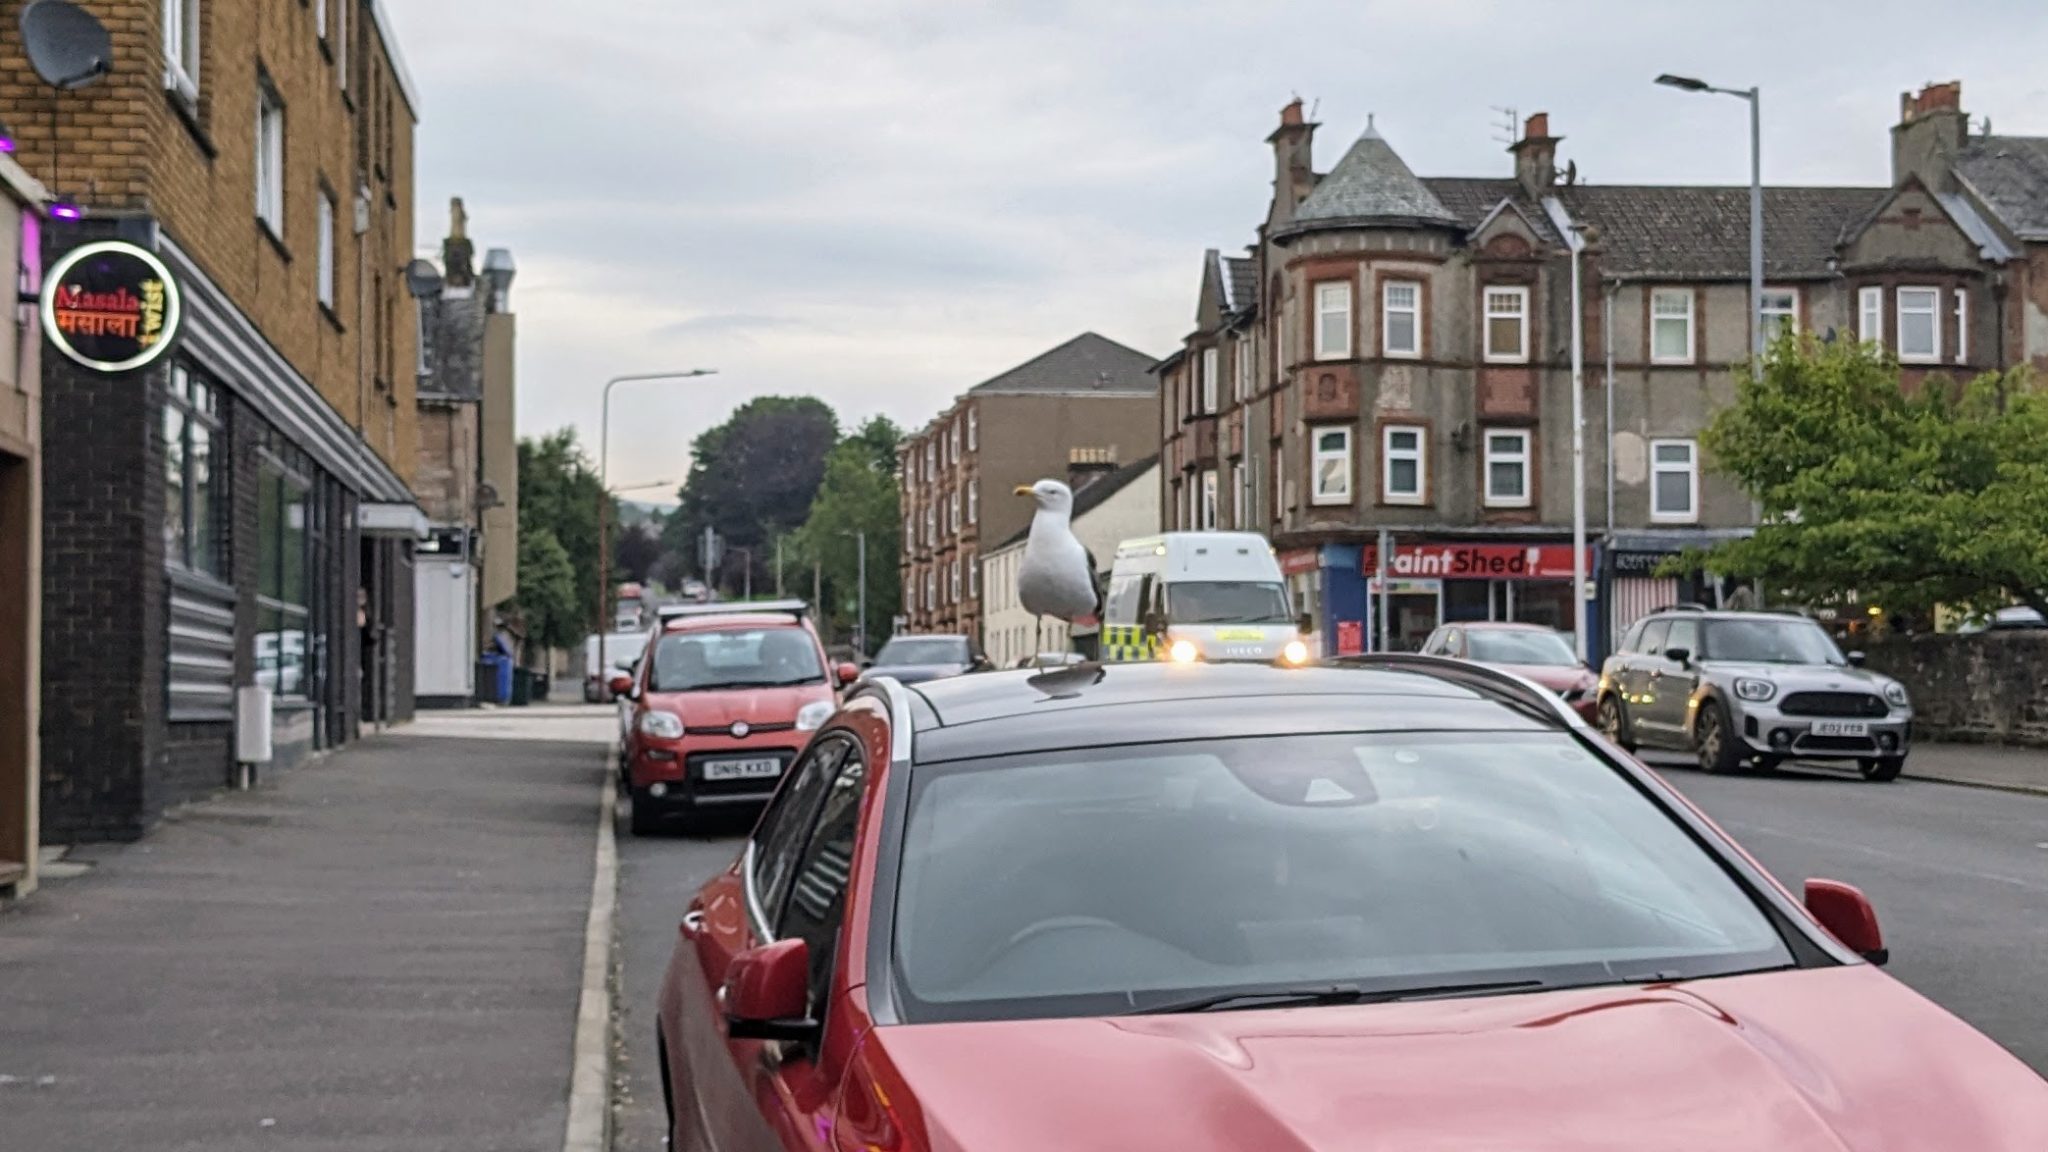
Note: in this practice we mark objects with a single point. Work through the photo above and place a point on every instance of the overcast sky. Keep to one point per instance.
(883, 202)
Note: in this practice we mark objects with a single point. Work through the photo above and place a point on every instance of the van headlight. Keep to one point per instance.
(1895, 694)
(812, 716)
(1755, 690)
(661, 725)
(1183, 652)
(1295, 653)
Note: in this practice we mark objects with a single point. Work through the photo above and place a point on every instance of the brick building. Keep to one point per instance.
(1394, 354)
(235, 513)
(1077, 411)
(468, 477)
(22, 204)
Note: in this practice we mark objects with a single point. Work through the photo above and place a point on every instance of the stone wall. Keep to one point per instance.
(1989, 688)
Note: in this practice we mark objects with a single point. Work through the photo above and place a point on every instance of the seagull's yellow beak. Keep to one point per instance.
(1026, 490)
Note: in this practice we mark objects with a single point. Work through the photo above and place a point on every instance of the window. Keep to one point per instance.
(816, 905)
(1507, 468)
(1780, 308)
(778, 841)
(1332, 465)
(1333, 320)
(1671, 326)
(1507, 325)
(1208, 521)
(1674, 481)
(1401, 318)
(192, 487)
(1209, 381)
(1870, 315)
(973, 502)
(1651, 642)
(931, 589)
(1919, 324)
(973, 430)
(931, 523)
(953, 511)
(973, 577)
(320, 18)
(1684, 634)
(953, 581)
(1237, 497)
(341, 44)
(325, 269)
(1402, 464)
(931, 457)
(181, 48)
(954, 442)
(1242, 385)
(909, 528)
(1962, 326)
(269, 158)
(282, 563)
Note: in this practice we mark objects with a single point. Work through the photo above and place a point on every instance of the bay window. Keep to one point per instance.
(1919, 324)
(1402, 474)
(1333, 320)
(1401, 318)
(1332, 463)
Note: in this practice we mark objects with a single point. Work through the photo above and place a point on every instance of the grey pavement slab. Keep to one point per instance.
(380, 950)
(1985, 765)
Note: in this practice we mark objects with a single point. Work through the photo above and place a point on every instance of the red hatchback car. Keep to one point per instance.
(1398, 903)
(1542, 654)
(722, 700)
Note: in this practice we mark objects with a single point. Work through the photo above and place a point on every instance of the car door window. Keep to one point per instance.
(1652, 640)
(779, 839)
(1684, 634)
(1454, 642)
(817, 896)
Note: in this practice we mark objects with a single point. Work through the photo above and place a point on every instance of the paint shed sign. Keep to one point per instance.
(111, 306)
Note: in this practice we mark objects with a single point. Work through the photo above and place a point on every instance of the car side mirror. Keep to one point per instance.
(1304, 624)
(767, 993)
(847, 673)
(1856, 659)
(1678, 656)
(621, 684)
(1846, 913)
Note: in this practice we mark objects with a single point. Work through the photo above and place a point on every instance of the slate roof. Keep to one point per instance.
(1241, 280)
(1371, 184)
(1094, 495)
(2010, 174)
(1472, 199)
(1703, 232)
(1087, 363)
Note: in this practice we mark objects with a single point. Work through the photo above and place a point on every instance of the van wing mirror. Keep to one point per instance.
(1305, 624)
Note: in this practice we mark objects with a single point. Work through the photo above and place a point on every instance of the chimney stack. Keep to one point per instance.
(1536, 156)
(1293, 160)
(458, 255)
(1931, 130)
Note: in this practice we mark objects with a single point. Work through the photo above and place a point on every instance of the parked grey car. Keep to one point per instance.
(1760, 687)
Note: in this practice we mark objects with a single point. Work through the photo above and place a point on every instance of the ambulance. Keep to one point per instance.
(1214, 597)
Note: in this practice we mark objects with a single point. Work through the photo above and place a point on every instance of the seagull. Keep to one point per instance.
(1056, 577)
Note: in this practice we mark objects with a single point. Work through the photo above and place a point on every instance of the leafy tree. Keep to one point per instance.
(635, 550)
(859, 493)
(558, 500)
(752, 479)
(1909, 497)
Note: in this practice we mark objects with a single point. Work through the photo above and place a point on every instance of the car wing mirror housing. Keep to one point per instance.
(847, 673)
(767, 993)
(1846, 913)
(1679, 656)
(621, 684)
(1305, 624)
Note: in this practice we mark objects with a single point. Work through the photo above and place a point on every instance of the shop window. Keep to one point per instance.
(1402, 474)
(1674, 481)
(193, 484)
(1401, 318)
(1870, 315)
(1208, 521)
(1780, 309)
(1332, 465)
(1919, 324)
(1671, 325)
(1507, 468)
(1333, 320)
(283, 561)
(1507, 325)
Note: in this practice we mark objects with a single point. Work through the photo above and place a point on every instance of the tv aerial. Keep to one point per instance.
(68, 47)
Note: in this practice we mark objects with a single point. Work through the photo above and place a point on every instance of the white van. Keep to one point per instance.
(621, 650)
(1212, 596)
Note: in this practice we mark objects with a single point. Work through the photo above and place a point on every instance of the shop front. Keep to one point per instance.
(1633, 581)
(1430, 583)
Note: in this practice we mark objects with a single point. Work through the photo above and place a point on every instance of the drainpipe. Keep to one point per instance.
(1607, 330)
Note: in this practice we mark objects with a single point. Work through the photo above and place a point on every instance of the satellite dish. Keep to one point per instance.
(422, 279)
(67, 46)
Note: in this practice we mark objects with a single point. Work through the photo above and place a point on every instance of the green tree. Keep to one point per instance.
(859, 493)
(559, 494)
(752, 479)
(1907, 497)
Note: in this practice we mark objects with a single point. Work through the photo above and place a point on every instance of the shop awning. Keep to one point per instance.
(401, 520)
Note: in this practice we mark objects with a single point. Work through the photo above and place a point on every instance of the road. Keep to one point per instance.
(1959, 876)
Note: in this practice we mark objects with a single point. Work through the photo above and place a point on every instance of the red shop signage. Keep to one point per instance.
(1302, 560)
(1477, 561)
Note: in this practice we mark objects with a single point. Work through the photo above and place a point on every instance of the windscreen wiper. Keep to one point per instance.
(1329, 995)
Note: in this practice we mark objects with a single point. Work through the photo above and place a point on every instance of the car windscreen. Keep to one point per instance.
(922, 650)
(738, 658)
(1104, 881)
(1788, 641)
(1526, 646)
(1226, 602)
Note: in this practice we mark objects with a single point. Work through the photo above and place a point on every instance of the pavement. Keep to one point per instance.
(1982, 765)
(383, 949)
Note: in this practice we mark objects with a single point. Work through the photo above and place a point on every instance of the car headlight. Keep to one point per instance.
(1295, 653)
(661, 725)
(1895, 693)
(1749, 689)
(812, 716)
(1182, 652)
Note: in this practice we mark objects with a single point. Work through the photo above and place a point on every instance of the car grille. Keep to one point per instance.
(1859, 704)
(726, 729)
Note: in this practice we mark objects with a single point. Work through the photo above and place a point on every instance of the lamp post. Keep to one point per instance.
(860, 632)
(1577, 238)
(604, 501)
(1757, 337)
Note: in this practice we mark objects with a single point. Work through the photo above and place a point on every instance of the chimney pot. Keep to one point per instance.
(1290, 116)
(1537, 127)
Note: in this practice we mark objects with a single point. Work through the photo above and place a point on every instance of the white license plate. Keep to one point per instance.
(742, 769)
(1840, 728)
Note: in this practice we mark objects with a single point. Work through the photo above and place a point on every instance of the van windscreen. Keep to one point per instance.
(1226, 602)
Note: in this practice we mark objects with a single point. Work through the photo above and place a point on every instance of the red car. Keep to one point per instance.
(723, 699)
(1394, 903)
(1542, 654)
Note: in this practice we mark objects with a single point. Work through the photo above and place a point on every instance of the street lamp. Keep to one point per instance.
(1577, 239)
(1756, 197)
(860, 633)
(604, 501)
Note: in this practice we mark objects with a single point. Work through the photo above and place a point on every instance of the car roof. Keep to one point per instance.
(1091, 705)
